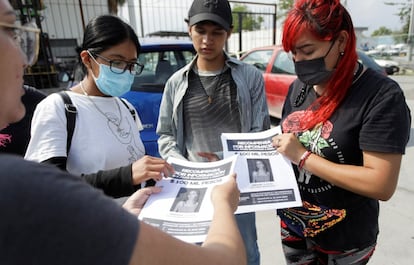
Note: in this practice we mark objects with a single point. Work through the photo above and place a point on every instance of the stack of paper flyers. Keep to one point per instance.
(183, 208)
(265, 178)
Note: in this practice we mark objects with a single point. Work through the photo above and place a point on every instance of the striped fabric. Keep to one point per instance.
(206, 119)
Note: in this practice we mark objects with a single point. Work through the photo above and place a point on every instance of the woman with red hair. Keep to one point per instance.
(345, 129)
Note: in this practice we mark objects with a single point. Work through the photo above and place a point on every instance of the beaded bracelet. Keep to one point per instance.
(303, 159)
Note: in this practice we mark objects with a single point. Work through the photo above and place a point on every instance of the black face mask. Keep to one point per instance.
(313, 72)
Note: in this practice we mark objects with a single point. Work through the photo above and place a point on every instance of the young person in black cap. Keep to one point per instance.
(211, 95)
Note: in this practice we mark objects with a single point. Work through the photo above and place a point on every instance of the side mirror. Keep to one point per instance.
(260, 66)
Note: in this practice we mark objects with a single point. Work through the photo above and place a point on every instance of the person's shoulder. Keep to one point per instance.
(32, 96)
(50, 103)
(372, 75)
(32, 91)
(20, 176)
(16, 171)
(6, 159)
(52, 97)
(177, 78)
(379, 83)
(14, 164)
(128, 103)
(242, 66)
(179, 74)
(235, 62)
(56, 99)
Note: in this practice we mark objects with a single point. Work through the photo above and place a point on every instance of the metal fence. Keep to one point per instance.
(62, 23)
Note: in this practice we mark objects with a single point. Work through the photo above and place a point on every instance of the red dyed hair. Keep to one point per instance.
(325, 19)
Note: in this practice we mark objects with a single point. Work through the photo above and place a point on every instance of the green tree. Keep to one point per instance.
(404, 14)
(283, 7)
(285, 4)
(249, 22)
(381, 32)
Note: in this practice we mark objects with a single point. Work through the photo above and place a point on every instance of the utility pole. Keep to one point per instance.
(411, 33)
(141, 18)
(81, 14)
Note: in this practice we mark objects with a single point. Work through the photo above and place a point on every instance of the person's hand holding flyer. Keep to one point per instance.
(266, 179)
(184, 208)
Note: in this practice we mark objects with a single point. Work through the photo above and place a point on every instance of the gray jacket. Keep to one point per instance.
(251, 100)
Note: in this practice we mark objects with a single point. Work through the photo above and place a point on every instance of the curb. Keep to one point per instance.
(405, 71)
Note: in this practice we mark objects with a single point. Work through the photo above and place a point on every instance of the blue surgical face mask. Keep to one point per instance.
(110, 83)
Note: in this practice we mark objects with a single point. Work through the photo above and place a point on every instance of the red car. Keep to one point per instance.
(279, 72)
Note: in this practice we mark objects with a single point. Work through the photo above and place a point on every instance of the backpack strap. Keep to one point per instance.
(133, 113)
(70, 111)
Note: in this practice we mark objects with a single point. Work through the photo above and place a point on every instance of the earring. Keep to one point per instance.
(341, 53)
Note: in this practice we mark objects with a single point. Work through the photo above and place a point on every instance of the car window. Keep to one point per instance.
(283, 64)
(188, 56)
(149, 60)
(158, 67)
(260, 59)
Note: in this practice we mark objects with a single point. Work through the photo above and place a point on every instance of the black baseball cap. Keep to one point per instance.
(217, 11)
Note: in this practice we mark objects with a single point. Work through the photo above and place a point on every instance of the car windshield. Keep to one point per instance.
(283, 64)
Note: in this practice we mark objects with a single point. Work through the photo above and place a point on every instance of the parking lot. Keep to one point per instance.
(396, 238)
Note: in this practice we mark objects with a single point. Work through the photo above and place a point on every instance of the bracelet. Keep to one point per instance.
(303, 159)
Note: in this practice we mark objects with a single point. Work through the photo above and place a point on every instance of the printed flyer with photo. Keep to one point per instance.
(266, 179)
(183, 208)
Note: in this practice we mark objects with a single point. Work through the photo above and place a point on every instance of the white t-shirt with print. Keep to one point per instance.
(97, 143)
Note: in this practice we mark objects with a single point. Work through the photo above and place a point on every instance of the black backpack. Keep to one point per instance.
(70, 111)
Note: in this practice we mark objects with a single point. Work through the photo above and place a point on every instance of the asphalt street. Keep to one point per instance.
(396, 239)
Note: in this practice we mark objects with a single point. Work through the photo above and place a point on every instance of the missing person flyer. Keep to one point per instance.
(266, 178)
(183, 208)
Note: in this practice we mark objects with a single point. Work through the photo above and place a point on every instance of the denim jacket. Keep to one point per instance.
(250, 96)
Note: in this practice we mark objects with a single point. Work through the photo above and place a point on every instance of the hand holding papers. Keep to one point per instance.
(266, 179)
(183, 208)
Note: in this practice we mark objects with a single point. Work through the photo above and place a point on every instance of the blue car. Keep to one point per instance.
(161, 58)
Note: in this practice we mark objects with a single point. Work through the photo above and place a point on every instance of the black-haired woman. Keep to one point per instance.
(106, 147)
